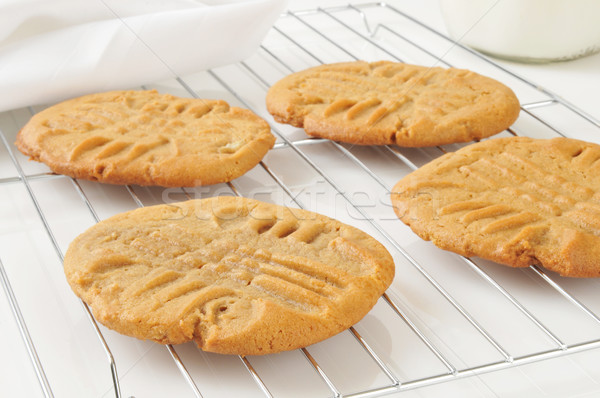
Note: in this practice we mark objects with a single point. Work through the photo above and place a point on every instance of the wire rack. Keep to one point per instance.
(445, 318)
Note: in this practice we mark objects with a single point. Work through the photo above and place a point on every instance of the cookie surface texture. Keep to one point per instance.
(146, 138)
(385, 103)
(235, 275)
(516, 201)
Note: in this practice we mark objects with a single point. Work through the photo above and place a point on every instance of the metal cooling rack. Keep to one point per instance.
(445, 318)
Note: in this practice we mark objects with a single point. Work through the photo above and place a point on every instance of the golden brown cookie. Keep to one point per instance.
(384, 103)
(146, 138)
(235, 275)
(517, 201)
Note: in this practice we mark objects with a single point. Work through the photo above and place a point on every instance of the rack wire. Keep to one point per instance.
(430, 308)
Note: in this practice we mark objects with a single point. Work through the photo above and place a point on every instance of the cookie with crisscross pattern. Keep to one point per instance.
(517, 201)
(386, 102)
(146, 138)
(235, 275)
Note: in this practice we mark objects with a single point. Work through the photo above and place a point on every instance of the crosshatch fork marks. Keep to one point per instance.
(146, 138)
(233, 274)
(517, 201)
(386, 102)
(530, 186)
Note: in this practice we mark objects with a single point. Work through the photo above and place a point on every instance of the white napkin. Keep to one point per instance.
(51, 50)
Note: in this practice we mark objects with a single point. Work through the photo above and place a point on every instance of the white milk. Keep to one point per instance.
(526, 30)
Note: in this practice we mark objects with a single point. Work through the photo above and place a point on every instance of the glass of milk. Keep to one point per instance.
(525, 30)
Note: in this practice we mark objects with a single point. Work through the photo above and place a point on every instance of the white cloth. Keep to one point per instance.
(51, 50)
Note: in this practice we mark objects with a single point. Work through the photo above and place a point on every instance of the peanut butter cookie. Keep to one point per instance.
(517, 201)
(235, 275)
(384, 103)
(145, 138)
